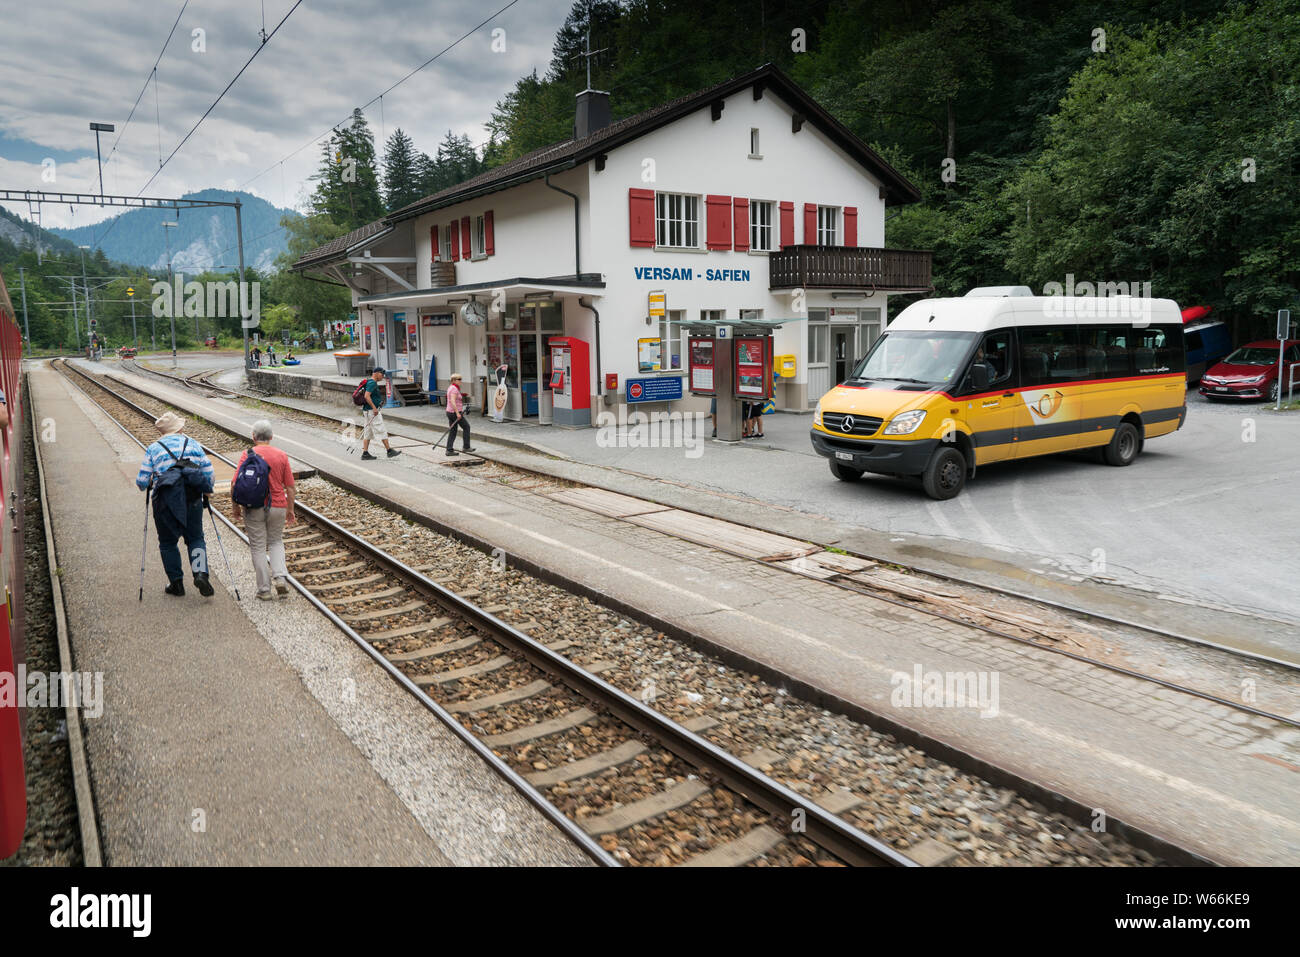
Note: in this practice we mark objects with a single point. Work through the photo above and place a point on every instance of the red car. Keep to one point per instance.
(1251, 372)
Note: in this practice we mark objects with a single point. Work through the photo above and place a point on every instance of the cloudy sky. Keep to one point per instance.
(65, 64)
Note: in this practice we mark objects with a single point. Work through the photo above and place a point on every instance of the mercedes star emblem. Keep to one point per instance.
(847, 425)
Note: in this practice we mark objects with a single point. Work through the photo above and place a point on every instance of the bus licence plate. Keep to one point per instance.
(846, 456)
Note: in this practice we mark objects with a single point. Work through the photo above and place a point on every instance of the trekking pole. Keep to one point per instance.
(144, 544)
(222, 545)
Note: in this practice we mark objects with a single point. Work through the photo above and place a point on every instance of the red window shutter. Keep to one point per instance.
(810, 224)
(433, 243)
(464, 238)
(740, 217)
(787, 224)
(850, 225)
(719, 222)
(489, 240)
(454, 233)
(641, 217)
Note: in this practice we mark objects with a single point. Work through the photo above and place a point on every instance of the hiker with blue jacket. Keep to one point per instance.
(261, 492)
(177, 473)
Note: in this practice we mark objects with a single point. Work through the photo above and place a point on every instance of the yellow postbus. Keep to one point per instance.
(953, 384)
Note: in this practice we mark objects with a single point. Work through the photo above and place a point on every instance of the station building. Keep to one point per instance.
(742, 201)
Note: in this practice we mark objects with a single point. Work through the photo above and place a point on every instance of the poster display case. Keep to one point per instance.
(752, 370)
(700, 355)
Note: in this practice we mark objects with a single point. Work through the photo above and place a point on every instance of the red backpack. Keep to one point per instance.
(359, 394)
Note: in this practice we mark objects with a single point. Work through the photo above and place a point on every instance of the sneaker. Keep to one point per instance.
(203, 585)
(367, 457)
(451, 452)
(176, 588)
(467, 449)
(282, 586)
(266, 596)
(393, 453)
(714, 435)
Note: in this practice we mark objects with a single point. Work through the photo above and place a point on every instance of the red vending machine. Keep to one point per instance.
(571, 380)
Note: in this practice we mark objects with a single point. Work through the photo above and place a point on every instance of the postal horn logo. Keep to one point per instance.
(1045, 404)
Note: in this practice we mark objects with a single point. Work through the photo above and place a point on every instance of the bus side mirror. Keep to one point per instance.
(979, 376)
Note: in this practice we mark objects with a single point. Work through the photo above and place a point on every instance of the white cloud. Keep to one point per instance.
(62, 67)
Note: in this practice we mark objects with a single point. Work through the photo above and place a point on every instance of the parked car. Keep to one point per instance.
(210, 342)
(1251, 372)
(126, 352)
(1207, 342)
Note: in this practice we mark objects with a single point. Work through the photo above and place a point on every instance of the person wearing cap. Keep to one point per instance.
(181, 475)
(373, 420)
(456, 416)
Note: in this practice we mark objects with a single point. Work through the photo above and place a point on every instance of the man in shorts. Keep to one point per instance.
(373, 422)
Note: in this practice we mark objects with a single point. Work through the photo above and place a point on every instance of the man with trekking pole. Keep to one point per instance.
(177, 474)
(456, 417)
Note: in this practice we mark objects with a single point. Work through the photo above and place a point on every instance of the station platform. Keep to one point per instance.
(1198, 774)
(245, 733)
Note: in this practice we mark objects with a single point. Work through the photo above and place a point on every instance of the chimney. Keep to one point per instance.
(592, 113)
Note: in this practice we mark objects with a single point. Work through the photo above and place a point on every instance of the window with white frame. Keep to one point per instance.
(712, 315)
(760, 225)
(478, 243)
(677, 220)
(818, 337)
(828, 225)
(754, 151)
(670, 340)
(444, 243)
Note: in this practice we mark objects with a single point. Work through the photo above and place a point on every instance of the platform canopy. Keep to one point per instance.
(740, 326)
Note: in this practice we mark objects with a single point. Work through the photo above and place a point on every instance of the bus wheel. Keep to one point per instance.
(844, 473)
(945, 476)
(1124, 445)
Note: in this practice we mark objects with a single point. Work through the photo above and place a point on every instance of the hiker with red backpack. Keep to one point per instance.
(262, 494)
(370, 395)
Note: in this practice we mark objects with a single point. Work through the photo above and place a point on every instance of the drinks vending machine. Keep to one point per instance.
(571, 380)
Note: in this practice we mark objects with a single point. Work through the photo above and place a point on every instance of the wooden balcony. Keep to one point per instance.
(850, 267)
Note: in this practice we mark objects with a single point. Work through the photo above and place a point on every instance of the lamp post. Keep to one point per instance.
(167, 224)
(97, 128)
(130, 294)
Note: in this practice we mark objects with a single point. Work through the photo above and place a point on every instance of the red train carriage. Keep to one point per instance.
(13, 788)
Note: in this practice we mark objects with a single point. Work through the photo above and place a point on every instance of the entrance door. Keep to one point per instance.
(842, 357)
(529, 371)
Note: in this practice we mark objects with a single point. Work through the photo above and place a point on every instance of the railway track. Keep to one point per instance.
(613, 773)
(1001, 613)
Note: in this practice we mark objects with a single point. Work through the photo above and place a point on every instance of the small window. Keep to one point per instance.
(828, 225)
(478, 245)
(754, 151)
(670, 340)
(760, 226)
(444, 243)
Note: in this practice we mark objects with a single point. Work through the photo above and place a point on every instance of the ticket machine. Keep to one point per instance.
(571, 380)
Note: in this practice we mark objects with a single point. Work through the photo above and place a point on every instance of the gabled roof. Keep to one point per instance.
(341, 246)
(570, 153)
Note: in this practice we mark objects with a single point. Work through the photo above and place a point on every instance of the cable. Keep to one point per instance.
(146, 83)
(373, 99)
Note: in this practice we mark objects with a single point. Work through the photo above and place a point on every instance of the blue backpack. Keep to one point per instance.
(252, 486)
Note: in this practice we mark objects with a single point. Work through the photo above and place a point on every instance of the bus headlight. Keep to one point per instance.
(817, 413)
(906, 424)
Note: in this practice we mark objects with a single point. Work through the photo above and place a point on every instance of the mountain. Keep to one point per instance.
(203, 239)
(18, 230)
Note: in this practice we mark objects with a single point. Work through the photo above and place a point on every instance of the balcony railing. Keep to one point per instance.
(850, 267)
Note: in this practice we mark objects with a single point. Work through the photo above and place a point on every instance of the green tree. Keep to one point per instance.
(401, 172)
(314, 301)
(347, 186)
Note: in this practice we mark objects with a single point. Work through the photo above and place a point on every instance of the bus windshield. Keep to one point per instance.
(929, 358)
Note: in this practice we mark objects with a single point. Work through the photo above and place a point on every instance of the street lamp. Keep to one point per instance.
(98, 128)
(168, 224)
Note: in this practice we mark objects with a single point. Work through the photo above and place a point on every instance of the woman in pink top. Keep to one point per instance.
(265, 526)
(456, 416)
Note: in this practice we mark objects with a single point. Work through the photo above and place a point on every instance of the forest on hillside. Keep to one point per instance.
(1115, 141)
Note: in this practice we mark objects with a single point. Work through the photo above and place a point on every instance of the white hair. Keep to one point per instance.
(262, 430)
